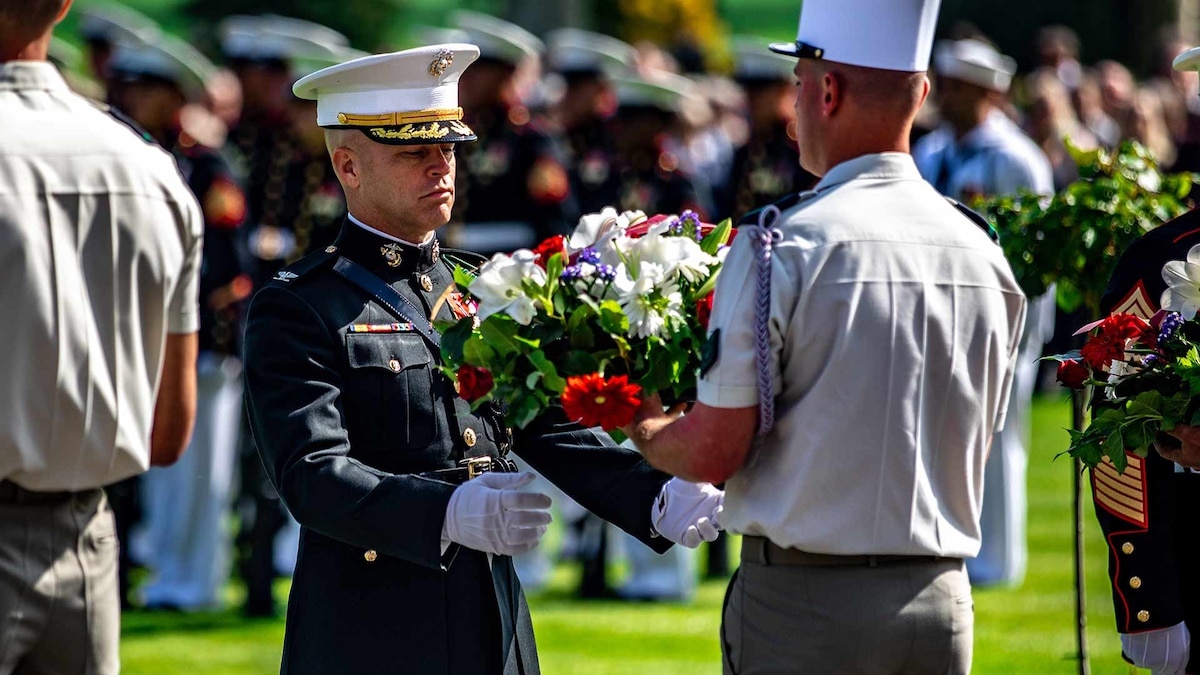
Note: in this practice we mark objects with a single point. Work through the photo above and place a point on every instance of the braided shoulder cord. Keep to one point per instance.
(765, 236)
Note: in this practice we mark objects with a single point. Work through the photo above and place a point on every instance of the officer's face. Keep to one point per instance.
(408, 187)
(809, 117)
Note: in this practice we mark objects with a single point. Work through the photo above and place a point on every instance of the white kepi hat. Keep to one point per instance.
(974, 62)
(883, 34)
(1188, 60)
(402, 98)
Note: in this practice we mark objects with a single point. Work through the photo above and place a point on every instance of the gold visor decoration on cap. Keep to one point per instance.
(428, 132)
(400, 118)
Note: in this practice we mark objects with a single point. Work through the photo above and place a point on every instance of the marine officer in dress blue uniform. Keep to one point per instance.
(980, 152)
(408, 514)
(183, 536)
(860, 353)
(1148, 513)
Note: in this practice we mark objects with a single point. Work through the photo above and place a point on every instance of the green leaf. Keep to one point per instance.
(477, 352)
(454, 339)
(581, 363)
(548, 371)
(612, 318)
(524, 409)
(499, 332)
(720, 234)
(462, 277)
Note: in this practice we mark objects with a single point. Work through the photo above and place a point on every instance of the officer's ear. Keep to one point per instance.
(831, 92)
(347, 166)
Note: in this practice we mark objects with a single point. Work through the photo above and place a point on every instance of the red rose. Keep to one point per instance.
(547, 249)
(704, 308)
(1072, 374)
(594, 401)
(473, 383)
(1109, 341)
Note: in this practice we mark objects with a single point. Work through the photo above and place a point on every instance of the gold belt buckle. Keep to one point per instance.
(477, 466)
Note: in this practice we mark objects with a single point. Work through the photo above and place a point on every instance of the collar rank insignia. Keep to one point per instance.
(391, 253)
(436, 251)
(441, 61)
(285, 275)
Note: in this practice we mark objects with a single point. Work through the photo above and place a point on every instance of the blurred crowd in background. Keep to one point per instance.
(568, 122)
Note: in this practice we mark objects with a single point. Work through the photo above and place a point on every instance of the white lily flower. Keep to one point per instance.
(596, 229)
(677, 255)
(498, 288)
(1183, 284)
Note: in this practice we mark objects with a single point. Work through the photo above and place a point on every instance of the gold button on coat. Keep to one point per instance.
(394, 364)
(1127, 548)
(1135, 582)
(370, 556)
(426, 283)
(469, 437)
(1143, 616)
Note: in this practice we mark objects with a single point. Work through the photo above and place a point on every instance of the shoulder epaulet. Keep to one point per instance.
(792, 199)
(304, 266)
(468, 260)
(977, 218)
(123, 119)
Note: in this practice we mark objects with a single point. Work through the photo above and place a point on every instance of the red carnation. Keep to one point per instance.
(1109, 341)
(594, 401)
(547, 249)
(1072, 374)
(704, 307)
(473, 383)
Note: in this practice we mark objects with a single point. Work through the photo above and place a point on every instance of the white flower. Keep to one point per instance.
(652, 302)
(1117, 371)
(598, 229)
(1183, 284)
(498, 286)
(677, 255)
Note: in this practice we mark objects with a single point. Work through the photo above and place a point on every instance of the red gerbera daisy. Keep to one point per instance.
(595, 401)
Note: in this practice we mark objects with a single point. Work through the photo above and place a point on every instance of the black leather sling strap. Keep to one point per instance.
(389, 297)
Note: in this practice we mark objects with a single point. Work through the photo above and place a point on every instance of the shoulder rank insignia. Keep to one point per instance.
(284, 275)
(1137, 302)
(391, 252)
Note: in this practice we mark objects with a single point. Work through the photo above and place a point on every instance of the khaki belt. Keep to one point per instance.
(11, 493)
(762, 551)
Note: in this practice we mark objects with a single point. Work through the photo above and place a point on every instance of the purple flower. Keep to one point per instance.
(606, 272)
(1170, 323)
(1151, 359)
(676, 227)
(690, 219)
(589, 255)
(572, 273)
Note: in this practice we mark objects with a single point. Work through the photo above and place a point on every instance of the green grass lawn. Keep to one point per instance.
(1025, 630)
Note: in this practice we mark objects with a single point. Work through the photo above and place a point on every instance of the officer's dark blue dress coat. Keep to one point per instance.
(344, 417)
(1149, 513)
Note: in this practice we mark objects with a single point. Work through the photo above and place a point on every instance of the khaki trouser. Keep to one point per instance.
(59, 610)
(897, 618)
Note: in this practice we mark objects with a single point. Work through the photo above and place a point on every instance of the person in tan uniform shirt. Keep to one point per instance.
(100, 244)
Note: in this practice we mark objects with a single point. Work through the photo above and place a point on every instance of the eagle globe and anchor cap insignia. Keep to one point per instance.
(441, 61)
(391, 254)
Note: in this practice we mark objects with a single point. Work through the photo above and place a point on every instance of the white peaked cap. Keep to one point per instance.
(664, 91)
(496, 38)
(277, 37)
(753, 62)
(111, 22)
(571, 50)
(407, 97)
(974, 62)
(884, 34)
(167, 58)
(1188, 60)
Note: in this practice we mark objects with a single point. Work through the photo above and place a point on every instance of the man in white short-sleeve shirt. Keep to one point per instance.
(893, 324)
(100, 244)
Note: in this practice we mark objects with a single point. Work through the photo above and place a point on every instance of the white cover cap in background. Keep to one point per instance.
(571, 50)
(753, 63)
(496, 38)
(1188, 60)
(401, 98)
(883, 34)
(166, 58)
(974, 62)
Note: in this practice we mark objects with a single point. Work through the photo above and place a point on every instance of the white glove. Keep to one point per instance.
(688, 513)
(490, 514)
(1164, 651)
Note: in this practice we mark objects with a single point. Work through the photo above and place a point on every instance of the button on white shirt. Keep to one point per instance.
(894, 327)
